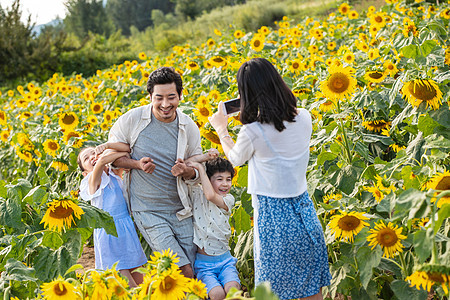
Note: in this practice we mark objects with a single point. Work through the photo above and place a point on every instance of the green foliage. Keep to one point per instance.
(85, 16)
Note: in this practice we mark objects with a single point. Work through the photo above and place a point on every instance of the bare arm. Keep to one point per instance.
(208, 190)
(117, 146)
(145, 164)
(220, 123)
(96, 177)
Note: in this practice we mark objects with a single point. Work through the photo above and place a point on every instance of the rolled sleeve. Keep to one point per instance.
(242, 150)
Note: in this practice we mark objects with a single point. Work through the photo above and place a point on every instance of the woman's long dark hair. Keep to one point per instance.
(265, 97)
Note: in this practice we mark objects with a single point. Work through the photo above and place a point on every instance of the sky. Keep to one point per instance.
(41, 11)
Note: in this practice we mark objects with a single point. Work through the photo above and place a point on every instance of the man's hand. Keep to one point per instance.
(181, 169)
(146, 164)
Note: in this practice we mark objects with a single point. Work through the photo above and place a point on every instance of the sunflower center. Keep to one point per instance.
(422, 91)
(443, 184)
(218, 60)
(378, 19)
(204, 111)
(192, 65)
(53, 146)
(387, 237)
(97, 107)
(168, 284)
(295, 65)
(68, 119)
(436, 277)
(338, 83)
(60, 289)
(256, 43)
(376, 75)
(61, 212)
(349, 223)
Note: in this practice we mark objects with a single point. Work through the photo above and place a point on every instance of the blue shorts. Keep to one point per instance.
(216, 270)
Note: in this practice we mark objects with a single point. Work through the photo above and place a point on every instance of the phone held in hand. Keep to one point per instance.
(231, 106)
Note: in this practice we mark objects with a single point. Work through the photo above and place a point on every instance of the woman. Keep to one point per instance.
(289, 246)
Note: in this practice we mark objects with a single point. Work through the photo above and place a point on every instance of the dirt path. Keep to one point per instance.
(87, 259)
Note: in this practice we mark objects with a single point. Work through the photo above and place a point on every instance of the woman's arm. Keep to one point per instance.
(219, 121)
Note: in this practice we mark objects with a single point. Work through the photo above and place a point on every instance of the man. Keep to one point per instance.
(161, 137)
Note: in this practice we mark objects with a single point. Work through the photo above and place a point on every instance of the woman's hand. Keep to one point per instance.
(219, 121)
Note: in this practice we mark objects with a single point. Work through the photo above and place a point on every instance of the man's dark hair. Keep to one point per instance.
(165, 75)
(217, 165)
(265, 97)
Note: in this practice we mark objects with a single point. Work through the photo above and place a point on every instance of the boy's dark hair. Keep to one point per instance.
(265, 97)
(217, 165)
(165, 75)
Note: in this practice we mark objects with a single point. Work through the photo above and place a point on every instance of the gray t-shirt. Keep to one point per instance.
(156, 191)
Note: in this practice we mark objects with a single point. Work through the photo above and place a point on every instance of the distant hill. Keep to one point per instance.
(38, 28)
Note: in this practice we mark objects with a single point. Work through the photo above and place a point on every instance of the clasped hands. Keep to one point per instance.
(180, 168)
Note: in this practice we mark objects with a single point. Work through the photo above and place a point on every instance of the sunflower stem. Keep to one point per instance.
(434, 256)
(404, 269)
(347, 148)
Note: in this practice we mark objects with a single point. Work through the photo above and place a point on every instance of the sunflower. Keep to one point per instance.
(374, 76)
(50, 147)
(70, 134)
(384, 184)
(218, 61)
(346, 225)
(142, 56)
(60, 166)
(238, 34)
(295, 66)
(2, 118)
(4, 135)
(202, 112)
(24, 155)
(96, 107)
(192, 65)
(440, 182)
(198, 288)
(118, 287)
(397, 147)
(340, 84)
(60, 214)
(388, 237)
(428, 275)
(331, 45)
(108, 116)
(68, 121)
(327, 105)
(376, 125)
(390, 68)
(349, 57)
(344, 8)
(376, 193)
(422, 90)
(92, 119)
(257, 43)
(170, 286)
(331, 197)
(59, 289)
(100, 290)
(163, 261)
(217, 32)
(210, 135)
(373, 53)
(353, 14)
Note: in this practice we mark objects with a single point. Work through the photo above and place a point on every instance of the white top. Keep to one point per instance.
(97, 197)
(211, 228)
(277, 160)
(127, 129)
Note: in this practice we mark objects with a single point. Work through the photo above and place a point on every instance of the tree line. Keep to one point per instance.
(90, 37)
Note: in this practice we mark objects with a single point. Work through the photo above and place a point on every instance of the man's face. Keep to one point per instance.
(165, 101)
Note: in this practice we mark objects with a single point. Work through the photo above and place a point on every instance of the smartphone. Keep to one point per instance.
(231, 106)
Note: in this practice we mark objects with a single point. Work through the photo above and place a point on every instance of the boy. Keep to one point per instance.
(212, 206)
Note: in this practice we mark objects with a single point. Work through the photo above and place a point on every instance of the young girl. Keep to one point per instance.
(103, 188)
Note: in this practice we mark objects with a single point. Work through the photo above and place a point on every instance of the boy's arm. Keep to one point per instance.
(208, 190)
(96, 177)
(199, 158)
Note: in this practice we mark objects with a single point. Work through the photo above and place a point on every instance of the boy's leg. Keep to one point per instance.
(230, 285)
(217, 293)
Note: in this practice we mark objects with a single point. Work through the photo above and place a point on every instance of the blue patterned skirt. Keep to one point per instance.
(289, 246)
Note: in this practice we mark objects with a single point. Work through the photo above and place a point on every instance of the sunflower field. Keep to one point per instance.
(377, 84)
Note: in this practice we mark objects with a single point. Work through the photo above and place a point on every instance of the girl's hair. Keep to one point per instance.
(217, 165)
(79, 158)
(265, 97)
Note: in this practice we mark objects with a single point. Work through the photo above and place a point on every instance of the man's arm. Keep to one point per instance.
(145, 164)
(117, 146)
